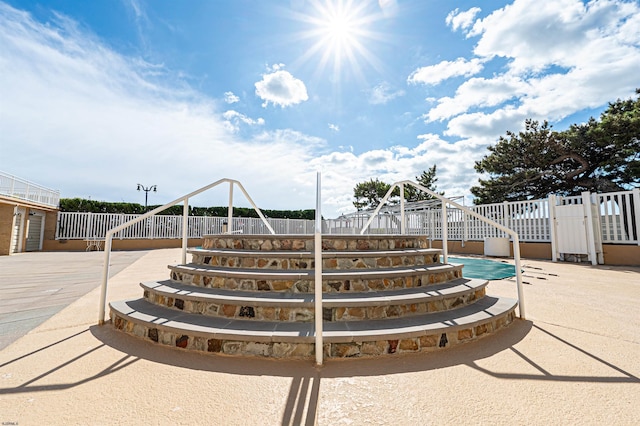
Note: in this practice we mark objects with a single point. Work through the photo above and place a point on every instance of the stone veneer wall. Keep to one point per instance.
(305, 313)
(305, 284)
(308, 262)
(305, 350)
(306, 242)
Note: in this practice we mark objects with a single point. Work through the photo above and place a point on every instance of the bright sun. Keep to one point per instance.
(339, 29)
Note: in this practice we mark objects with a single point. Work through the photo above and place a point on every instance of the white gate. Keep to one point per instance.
(576, 228)
(571, 229)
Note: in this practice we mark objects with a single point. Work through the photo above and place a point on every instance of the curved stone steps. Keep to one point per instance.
(302, 281)
(310, 254)
(299, 242)
(254, 295)
(295, 339)
(220, 271)
(305, 260)
(299, 306)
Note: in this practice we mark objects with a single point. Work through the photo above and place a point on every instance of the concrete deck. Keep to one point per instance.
(36, 286)
(575, 360)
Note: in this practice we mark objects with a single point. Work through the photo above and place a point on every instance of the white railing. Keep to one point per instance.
(12, 186)
(445, 221)
(185, 226)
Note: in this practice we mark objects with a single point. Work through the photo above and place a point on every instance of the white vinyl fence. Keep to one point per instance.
(619, 216)
(88, 226)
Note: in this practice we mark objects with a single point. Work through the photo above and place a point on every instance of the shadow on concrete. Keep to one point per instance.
(302, 401)
(30, 386)
(624, 377)
(306, 369)
(42, 348)
(305, 372)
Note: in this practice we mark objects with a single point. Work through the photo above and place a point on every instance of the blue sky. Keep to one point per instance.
(97, 96)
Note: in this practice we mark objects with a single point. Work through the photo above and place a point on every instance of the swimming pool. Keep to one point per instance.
(484, 268)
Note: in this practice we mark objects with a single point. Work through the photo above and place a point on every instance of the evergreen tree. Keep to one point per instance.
(369, 194)
(598, 156)
(427, 179)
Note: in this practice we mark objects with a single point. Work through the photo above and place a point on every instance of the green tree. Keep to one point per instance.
(427, 179)
(369, 194)
(597, 156)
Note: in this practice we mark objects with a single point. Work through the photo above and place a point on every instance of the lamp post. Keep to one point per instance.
(146, 193)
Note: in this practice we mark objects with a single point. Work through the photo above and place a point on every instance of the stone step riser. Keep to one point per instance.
(306, 243)
(307, 285)
(306, 313)
(207, 343)
(279, 263)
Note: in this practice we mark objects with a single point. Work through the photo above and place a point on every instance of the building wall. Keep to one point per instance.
(6, 228)
(7, 208)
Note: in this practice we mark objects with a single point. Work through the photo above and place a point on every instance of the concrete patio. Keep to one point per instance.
(575, 360)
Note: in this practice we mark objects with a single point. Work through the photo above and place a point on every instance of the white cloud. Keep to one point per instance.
(234, 119)
(334, 127)
(487, 125)
(478, 92)
(231, 98)
(464, 20)
(567, 33)
(435, 74)
(281, 88)
(383, 93)
(559, 58)
(79, 117)
(341, 171)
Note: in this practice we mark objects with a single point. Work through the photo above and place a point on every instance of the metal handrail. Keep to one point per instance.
(445, 201)
(185, 217)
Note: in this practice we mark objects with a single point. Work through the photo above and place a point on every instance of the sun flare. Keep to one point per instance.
(340, 30)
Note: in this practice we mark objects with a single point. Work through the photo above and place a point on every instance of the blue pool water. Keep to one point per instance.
(484, 268)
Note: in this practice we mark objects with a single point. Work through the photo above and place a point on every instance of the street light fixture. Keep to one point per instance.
(146, 193)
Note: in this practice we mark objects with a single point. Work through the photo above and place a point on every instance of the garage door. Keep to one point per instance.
(35, 233)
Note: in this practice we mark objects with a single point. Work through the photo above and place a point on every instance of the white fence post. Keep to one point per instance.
(185, 229)
(230, 210)
(318, 277)
(445, 234)
(552, 227)
(465, 233)
(403, 230)
(636, 206)
(588, 218)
